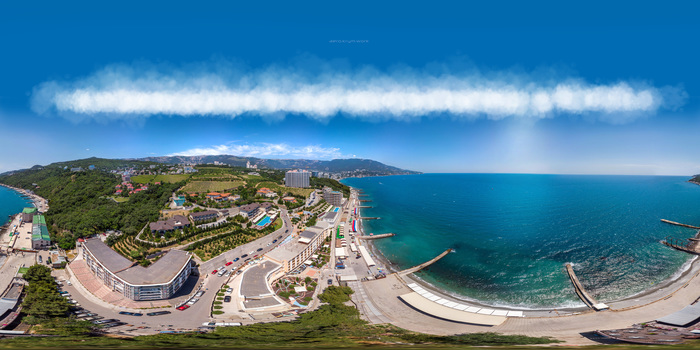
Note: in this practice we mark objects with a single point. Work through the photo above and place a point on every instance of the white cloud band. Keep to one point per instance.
(125, 93)
(265, 150)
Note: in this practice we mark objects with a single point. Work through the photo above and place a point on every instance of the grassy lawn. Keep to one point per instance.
(209, 186)
(23, 270)
(281, 190)
(119, 199)
(149, 179)
(278, 224)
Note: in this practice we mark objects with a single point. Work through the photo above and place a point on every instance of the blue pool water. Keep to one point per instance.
(336, 209)
(514, 233)
(264, 221)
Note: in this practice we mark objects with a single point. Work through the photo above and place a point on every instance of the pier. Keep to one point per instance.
(582, 293)
(385, 235)
(364, 206)
(363, 195)
(369, 218)
(364, 200)
(425, 264)
(689, 245)
(679, 224)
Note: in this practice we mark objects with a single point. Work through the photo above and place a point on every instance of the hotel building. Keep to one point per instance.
(161, 280)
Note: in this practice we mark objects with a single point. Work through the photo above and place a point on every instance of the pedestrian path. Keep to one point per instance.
(363, 302)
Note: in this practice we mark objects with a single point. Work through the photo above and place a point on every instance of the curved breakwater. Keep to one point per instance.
(513, 234)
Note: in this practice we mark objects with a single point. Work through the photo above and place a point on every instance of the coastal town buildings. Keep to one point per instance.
(266, 192)
(296, 252)
(177, 222)
(297, 178)
(161, 280)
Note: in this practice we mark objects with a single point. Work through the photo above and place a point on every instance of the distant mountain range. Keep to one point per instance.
(353, 165)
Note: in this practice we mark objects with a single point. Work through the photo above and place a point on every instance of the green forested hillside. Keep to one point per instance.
(78, 206)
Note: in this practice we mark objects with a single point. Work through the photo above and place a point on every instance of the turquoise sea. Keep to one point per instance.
(11, 203)
(513, 233)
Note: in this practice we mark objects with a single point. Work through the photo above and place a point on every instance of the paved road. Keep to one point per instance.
(265, 243)
(187, 319)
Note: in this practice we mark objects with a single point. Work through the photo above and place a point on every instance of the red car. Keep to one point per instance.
(183, 307)
(214, 272)
(229, 263)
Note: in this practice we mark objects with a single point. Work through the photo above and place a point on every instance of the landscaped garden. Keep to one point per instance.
(295, 290)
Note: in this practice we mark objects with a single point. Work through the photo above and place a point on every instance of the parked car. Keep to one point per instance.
(221, 272)
(113, 324)
(244, 255)
(269, 244)
(229, 263)
(214, 272)
(40, 260)
(105, 321)
(130, 313)
(280, 237)
(199, 294)
(183, 307)
(236, 259)
(227, 299)
(157, 313)
(229, 290)
(330, 281)
(275, 241)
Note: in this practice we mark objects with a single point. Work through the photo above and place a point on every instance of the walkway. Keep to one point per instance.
(425, 264)
(365, 304)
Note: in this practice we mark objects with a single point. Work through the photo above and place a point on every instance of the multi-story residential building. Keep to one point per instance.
(297, 178)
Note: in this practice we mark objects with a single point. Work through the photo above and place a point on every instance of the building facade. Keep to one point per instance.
(161, 280)
(292, 254)
(40, 233)
(297, 178)
(334, 198)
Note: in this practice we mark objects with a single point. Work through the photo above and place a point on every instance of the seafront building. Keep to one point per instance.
(297, 178)
(40, 234)
(297, 251)
(161, 280)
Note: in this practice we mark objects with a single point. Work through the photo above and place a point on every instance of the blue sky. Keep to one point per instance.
(588, 88)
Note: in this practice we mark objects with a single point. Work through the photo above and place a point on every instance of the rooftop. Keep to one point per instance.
(39, 220)
(161, 271)
(28, 210)
(205, 213)
(290, 250)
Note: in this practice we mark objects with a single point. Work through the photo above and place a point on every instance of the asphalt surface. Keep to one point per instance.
(196, 314)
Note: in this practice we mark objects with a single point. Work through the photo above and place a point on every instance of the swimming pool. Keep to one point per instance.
(336, 209)
(264, 221)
